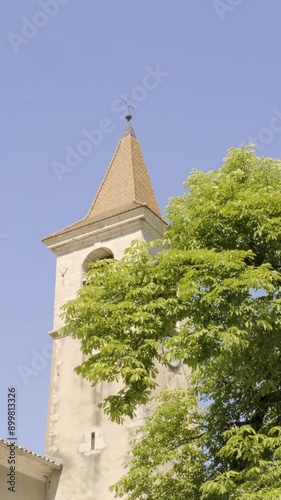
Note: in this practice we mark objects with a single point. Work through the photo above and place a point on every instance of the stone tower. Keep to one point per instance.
(91, 447)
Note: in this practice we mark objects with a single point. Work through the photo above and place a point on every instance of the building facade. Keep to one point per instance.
(85, 451)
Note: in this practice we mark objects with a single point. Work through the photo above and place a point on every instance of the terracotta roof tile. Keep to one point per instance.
(126, 180)
(126, 185)
(31, 453)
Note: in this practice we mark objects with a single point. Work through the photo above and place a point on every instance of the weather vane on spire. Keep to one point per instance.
(129, 106)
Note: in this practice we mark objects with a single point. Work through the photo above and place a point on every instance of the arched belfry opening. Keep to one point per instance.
(98, 254)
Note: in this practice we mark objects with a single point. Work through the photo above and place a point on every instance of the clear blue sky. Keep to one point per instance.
(223, 86)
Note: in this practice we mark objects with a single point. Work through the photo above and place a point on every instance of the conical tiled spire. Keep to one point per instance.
(126, 181)
(125, 187)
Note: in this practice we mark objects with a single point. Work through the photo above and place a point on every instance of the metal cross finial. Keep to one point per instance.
(129, 106)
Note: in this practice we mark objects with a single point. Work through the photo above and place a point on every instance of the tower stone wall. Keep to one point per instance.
(92, 448)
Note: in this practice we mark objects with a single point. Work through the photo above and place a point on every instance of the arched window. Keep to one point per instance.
(98, 254)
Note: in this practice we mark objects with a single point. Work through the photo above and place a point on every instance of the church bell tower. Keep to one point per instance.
(91, 447)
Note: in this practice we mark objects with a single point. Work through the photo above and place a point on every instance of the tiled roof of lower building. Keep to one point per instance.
(31, 453)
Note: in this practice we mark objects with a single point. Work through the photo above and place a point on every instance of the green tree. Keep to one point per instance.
(219, 274)
(167, 462)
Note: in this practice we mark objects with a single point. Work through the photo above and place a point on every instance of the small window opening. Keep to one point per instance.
(93, 441)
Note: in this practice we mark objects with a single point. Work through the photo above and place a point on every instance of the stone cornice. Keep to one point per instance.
(115, 227)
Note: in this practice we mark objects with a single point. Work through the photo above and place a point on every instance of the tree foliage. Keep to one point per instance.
(219, 274)
(167, 462)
